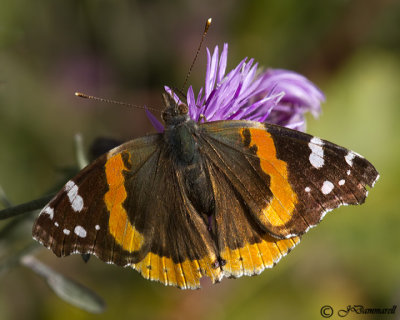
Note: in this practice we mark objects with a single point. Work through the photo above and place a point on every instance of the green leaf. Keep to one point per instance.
(65, 288)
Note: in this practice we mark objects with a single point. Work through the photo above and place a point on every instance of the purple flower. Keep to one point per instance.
(247, 93)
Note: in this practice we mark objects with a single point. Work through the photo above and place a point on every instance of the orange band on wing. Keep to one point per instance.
(119, 225)
(279, 210)
(185, 275)
(254, 258)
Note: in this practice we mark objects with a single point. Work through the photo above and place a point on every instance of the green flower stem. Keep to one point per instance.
(25, 207)
(81, 158)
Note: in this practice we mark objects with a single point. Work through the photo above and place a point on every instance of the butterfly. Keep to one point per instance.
(216, 199)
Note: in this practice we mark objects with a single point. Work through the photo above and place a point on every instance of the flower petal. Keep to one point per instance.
(154, 121)
(275, 96)
(298, 89)
(191, 102)
(222, 63)
(211, 73)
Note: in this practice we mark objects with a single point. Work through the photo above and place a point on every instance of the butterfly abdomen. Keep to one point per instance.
(183, 147)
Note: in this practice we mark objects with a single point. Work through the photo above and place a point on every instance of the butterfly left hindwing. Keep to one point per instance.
(130, 207)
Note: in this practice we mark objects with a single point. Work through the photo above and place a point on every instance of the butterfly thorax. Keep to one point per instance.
(174, 113)
(179, 131)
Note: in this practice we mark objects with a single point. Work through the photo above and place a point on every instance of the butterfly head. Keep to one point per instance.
(174, 113)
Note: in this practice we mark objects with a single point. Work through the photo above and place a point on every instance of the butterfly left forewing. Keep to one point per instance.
(59, 224)
(86, 216)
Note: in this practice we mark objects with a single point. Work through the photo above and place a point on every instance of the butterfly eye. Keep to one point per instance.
(183, 109)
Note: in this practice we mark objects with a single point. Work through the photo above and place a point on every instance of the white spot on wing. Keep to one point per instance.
(317, 152)
(349, 158)
(74, 198)
(376, 179)
(341, 182)
(357, 154)
(97, 227)
(348, 172)
(327, 187)
(56, 224)
(307, 189)
(324, 213)
(66, 231)
(80, 231)
(49, 211)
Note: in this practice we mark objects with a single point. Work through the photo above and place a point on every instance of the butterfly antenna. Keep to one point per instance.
(179, 93)
(86, 96)
(208, 23)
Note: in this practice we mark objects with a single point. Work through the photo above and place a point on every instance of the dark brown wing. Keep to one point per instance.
(244, 247)
(181, 249)
(78, 219)
(272, 183)
(288, 179)
(129, 208)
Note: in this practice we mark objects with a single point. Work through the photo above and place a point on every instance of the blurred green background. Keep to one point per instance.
(128, 50)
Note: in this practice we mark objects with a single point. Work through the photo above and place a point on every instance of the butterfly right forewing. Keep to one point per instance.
(288, 179)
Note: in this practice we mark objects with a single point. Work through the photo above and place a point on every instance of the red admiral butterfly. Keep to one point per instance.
(217, 199)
